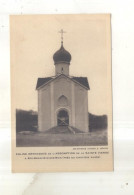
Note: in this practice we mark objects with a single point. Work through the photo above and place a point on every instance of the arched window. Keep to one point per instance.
(62, 101)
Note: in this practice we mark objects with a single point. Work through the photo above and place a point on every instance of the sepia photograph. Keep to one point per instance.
(64, 117)
(61, 81)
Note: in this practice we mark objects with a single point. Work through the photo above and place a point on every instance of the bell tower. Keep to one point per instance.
(62, 59)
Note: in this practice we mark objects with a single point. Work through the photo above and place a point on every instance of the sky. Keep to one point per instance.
(34, 40)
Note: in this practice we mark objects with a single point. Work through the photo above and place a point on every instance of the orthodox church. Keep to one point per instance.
(62, 99)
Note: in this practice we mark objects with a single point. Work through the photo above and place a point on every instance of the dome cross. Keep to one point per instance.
(62, 31)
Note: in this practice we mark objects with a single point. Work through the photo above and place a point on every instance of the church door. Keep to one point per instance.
(62, 118)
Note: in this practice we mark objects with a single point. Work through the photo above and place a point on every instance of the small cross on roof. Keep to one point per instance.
(62, 31)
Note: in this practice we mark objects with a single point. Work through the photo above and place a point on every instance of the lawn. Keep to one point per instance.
(38, 139)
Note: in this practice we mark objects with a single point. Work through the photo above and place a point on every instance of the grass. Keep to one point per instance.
(41, 139)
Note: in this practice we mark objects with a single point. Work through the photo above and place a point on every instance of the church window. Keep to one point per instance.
(62, 101)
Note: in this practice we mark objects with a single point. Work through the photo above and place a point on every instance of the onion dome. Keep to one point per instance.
(62, 56)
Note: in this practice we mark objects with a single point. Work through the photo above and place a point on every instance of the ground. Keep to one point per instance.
(61, 138)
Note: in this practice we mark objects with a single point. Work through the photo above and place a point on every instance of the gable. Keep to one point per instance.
(83, 81)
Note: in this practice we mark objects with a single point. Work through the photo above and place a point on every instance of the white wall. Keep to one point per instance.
(44, 105)
(62, 68)
(81, 108)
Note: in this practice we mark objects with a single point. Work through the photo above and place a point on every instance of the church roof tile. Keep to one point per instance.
(82, 81)
(42, 81)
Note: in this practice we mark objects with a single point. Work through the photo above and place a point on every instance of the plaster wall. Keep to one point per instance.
(62, 68)
(44, 111)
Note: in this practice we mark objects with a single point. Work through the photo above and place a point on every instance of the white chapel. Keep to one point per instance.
(62, 99)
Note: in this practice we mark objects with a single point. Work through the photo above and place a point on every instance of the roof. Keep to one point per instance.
(42, 81)
(81, 80)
